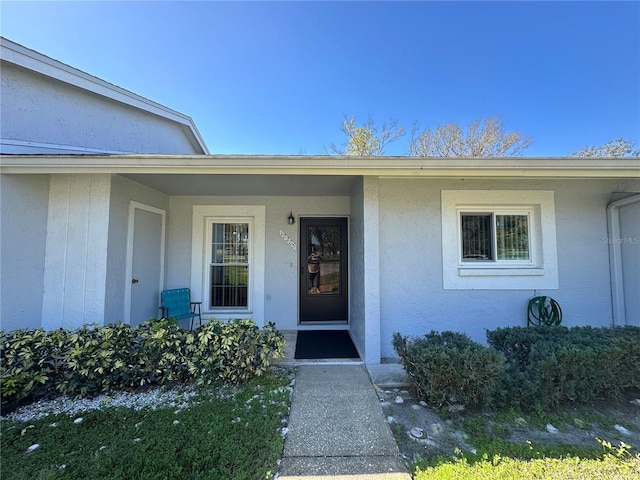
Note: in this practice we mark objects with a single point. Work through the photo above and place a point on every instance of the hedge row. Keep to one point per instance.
(523, 367)
(553, 365)
(92, 360)
(448, 367)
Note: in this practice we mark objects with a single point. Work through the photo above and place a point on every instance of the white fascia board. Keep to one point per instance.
(392, 167)
(26, 58)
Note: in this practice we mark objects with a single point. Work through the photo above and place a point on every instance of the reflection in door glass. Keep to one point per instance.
(323, 260)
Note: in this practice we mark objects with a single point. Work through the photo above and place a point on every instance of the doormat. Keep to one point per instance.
(317, 344)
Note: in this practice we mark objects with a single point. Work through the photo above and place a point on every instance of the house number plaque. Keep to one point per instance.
(288, 240)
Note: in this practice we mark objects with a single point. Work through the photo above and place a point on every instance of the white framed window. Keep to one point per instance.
(227, 260)
(499, 236)
(228, 277)
(499, 239)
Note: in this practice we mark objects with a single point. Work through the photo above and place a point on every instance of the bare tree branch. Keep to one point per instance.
(620, 147)
(488, 139)
(365, 140)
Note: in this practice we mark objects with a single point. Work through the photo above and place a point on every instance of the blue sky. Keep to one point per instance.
(277, 77)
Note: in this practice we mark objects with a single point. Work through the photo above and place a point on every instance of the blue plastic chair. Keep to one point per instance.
(177, 304)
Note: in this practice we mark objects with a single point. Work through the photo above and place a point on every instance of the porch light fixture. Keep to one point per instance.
(291, 218)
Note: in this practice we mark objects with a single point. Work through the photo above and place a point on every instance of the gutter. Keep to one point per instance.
(403, 167)
(615, 258)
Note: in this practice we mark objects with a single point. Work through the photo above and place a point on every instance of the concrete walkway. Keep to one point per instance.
(337, 430)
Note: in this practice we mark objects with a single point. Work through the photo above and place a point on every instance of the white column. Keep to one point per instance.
(371, 240)
(76, 251)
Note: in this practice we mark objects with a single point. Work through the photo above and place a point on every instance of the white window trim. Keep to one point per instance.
(541, 272)
(255, 216)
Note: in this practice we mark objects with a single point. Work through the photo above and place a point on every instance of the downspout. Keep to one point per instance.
(615, 257)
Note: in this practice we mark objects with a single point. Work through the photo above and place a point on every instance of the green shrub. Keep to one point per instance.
(159, 355)
(450, 367)
(232, 351)
(92, 360)
(548, 366)
(627, 340)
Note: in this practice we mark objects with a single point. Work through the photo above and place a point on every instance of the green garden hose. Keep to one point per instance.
(544, 311)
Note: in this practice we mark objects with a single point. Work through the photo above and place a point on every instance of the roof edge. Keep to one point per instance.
(413, 167)
(29, 59)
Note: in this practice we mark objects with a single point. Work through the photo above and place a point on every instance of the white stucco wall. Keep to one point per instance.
(281, 269)
(357, 317)
(50, 116)
(77, 226)
(23, 227)
(365, 318)
(630, 253)
(413, 300)
(123, 191)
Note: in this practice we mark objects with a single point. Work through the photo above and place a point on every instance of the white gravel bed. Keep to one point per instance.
(178, 398)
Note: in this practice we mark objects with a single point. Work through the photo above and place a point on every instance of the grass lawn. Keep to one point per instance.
(511, 444)
(233, 436)
(496, 458)
(571, 468)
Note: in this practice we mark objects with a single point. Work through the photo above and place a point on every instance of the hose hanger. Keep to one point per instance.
(543, 311)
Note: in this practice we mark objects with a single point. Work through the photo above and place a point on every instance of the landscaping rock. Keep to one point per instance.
(622, 430)
(551, 429)
(447, 436)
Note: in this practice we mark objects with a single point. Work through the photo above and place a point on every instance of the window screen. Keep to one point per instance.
(495, 236)
(229, 265)
(476, 236)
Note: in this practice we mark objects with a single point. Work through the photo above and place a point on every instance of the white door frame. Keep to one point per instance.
(130, 231)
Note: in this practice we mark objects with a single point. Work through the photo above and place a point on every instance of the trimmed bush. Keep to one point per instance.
(92, 360)
(627, 339)
(548, 366)
(449, 367)
(545, 366)
(233, 352)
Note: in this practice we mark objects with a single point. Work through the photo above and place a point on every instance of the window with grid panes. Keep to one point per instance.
(229, 267)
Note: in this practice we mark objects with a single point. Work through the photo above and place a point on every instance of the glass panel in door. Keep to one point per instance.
(323, 263)
(323, 272)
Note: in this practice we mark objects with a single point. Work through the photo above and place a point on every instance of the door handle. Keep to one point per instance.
(134, 280)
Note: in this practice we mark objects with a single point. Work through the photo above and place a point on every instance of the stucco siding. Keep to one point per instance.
(281, 268)
(371, 274)
(357, 316)
(123, 192)
(413, 300)
(52, 116)
(583, 259)
(23, 230)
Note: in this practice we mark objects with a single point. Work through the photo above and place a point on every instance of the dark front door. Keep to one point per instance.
(323, 270)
